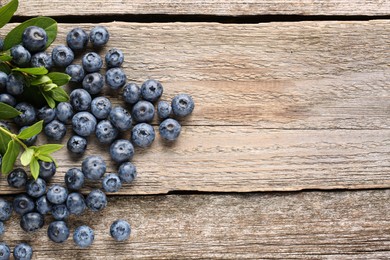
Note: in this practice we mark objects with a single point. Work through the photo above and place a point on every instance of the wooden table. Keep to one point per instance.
(287, 154)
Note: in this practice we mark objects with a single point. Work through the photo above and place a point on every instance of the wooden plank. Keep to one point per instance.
(347, 225)
(204, 7)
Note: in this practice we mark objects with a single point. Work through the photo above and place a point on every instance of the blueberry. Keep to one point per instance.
(111, 183)
(29, 141)
(47, 114)
(131, 93)
(120, 230)
(31, 221)
(17, 178)
(93, 167)
(143, 112)
(76, 72)
(115, 78)
(42, 59)
(96, 200)
(151, 90)
(127, 172)
(106, 132)
(182, 105)
(20, 56)
(43, 205)
(74, 179)
(47, 170)
(142, 135)
(5, 251)
(1, 44)
(120, 118)
(23, 251)
(55, 130)
(76, 203)
(92, 62)
(34, 38)
(99, 36)
(28, 114)
(77, 144)
(169, 129)
(101, 107)
(77, 39)
(64, 112)
(80, 99)
(3, 81)
(164, 109)
(8, 99)
(121, 150)
(114, 58)
(23, 204)
(58, 231)
(62, 56)
(57, 194)
(36, 188)
(2, 230)
(83, 236)
(84, 123)
(16, 83)
(60, 212)
(93, 83)
(5, 210)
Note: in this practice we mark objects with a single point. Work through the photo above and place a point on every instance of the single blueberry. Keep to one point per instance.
(99, 36)
(106, 132)
(23, 204)
(36, 188)
(5, 210)
(43, 205)
(62, 56)
(76, 203)
(131, 93)
(92, 62)
(142, 135)
(182, 105)
(23, 251)
(164, 109)
(115, 78)
(80, 99)
(93, 167)
(77, 144)
(77, 39)
(120, 118)
(84, 123)
(58, 231)
(8, 99)
(46, 170)
(96, 200)
(2, 230)
(127, 172)
(55, 130)
(42, 59)
(20, 56)
(16, 83)
(74, 179)
(31, 140)
(83, 236)
(101, 107)
(3, 81)
(169, 129)
(76, 72)
(121, 150)
(57, 194)
(60, 212)
(32, 221)
(5, 251)
(28, 114)
(114, 58)
(120, 230)
(111, 183)
(47, 114)
(151, 90)
(93, 83)
(143, 112)
(17, 178)
(34, 38)
(64, 112)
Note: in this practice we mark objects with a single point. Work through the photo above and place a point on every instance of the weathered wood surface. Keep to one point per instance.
(204, 7)
(310, 225)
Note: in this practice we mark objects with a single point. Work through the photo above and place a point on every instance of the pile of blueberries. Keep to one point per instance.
(88, 113)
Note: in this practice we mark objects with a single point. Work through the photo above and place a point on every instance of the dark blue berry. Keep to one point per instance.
(93, 167)
(58, 231)
(5, 210)
(74, 179)
(143, 112)
(111, 183)
(47, 170)
(3, 81)
(60, 212)
(47, 114)
(20, 56)
(42, 59)
(84, 123)
(17, 178)
(76, 203)
(83, 236)
(34, 38)
(142, 135)
(77, 39)
(55, 130)
(182, 105)
(1, 44)
(101, 107)
(115, 78)
(164, 109)
(76, 72)
(23, 204)
(121, 150)
(114, 58)
(57, 194)
(43, 205)
(77, 144)
(93, 83)
(120, 230)
(120, 118)
(62, 56)
(96, 200)
(36, 188)
(99, 36)
(28, 114)
(106, 132)
(5, 251)
(23, 251)
(32, 221)
(16, 83)
(127, 172)
(8, 99)
(64, 112)
(92, 62)
(169, 129)
(80, 99)
(151, 90)
(131, 93)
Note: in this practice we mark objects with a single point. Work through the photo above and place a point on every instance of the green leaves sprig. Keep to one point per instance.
(7, 11)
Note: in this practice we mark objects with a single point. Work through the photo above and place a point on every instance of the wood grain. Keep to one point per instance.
(204, 7)
(335, 225)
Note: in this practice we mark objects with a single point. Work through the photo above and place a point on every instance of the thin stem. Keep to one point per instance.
(14, 137)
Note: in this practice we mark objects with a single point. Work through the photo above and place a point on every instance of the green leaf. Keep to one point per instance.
(7, 11)
(33, 71)
(27, 156)
(50, 101)
(59, 94)
(10, 156)
(7, 112)
(44, 158)
(5, 68)
(48, 149)
(59, 78)
(14, 37)
(34, 167)
(4, 140)
(5, 57)
(40, 80)
(49, 87)
(31, 130)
